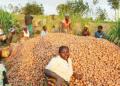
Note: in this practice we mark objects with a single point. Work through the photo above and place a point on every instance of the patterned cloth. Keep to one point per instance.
(52, 82)
(2, 68)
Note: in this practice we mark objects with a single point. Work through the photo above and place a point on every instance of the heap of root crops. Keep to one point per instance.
(97, 59)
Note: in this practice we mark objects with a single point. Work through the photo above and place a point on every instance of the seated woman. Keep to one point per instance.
(11, 38)
(3, 77)
(85, 32)
(2, 35)
(99, 33)
(25, 33)
(44, 32)
(59, 70)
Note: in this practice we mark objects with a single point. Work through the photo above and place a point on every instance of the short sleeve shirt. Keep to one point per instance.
(66, 24)
(61, 67)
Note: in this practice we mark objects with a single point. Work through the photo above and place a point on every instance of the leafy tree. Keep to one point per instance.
(15, 10)
(114, 5)
(10, 6)
(95, 2)
(102, 14)
(76, 7)
(34, 8)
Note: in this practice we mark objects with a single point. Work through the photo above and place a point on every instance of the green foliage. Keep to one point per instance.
(114, 34)
(114, 4)
(76, 7)
(34, 8)
(102, 14)
(95, 2)
(7, 20)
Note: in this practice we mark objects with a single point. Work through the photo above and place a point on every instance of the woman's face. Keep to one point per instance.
(85, 28)
(67, 17)
(64, 54)
(25, 29)
(99, 29)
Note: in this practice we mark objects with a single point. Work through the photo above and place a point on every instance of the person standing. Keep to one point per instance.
(66, 24)
(28, 22)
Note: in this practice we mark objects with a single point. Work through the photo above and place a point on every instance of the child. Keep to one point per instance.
(44, 32)
(2, 35)
(3, 77)
(85, 32)
(99, 33)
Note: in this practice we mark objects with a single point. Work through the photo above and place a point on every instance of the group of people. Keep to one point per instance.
(65, 28)
(59, 70)
(98, 34)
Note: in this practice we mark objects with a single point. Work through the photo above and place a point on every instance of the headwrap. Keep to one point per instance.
(86, 26)
(24, 26)
(67, 14)
(11, 29)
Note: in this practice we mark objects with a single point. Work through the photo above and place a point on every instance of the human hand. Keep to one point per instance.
(59, 81)
(78, 76)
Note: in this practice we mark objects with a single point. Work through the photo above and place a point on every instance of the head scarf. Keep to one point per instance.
(67, 14)
(24, 26)
(86, 26)
(11, 30)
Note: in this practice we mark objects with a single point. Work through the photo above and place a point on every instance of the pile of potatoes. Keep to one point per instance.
(97, 59)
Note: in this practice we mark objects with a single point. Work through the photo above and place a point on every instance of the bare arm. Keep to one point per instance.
(10, 39)
(69, 26)
(82, 34)
(89, 33)
(103, 35)
(22, 34)
(51, 74)
(95, 35)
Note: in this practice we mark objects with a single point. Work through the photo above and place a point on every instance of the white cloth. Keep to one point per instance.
(43, 33)
(26, 34)
(61, 67)
(1, 31)
(2, 68)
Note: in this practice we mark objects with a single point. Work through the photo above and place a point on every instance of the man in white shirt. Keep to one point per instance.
(44, 32)
(2, 35)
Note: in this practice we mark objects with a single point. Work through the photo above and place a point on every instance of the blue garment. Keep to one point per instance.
(99, 36)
